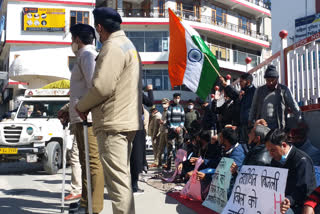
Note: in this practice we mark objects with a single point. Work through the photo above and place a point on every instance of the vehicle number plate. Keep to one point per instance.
(31, 158)
(8, 150)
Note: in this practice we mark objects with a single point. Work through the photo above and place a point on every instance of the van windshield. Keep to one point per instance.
(40, 109)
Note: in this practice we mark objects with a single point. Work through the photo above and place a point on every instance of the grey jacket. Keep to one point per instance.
(285, 101)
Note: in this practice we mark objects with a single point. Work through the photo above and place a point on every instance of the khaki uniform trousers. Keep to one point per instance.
(76, 181)
(155, 147)
(162, 144)
(96, 170)
(115, 150)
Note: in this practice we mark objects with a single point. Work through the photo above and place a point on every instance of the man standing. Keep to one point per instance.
(208, 123)
(245, 96)
(80, 84)
(115, 103)
(175, 121)
(163, 130)
(272, 100)
(301, 175)
(154, 133)
(191, 115)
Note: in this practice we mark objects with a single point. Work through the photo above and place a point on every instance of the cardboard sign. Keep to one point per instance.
(217, 196)
(257, 190)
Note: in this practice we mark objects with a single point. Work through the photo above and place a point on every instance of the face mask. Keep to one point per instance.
(165, 106)
(283, 159)
(75, 47)
(190, 107)
(176, 101)
(97, 35)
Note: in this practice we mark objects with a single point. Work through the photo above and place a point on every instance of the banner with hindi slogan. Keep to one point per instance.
(317, 171)
(217, 196)
(257, 190)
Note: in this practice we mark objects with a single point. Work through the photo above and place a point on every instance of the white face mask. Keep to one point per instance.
(75, 47)
(176, 101)
(97, 35)
(190, 107)
(165, 106)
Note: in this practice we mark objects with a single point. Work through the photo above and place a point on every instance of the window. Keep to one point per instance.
(161, 7)
(71, 62)
(244, 24)
(40, 109)
(219, 15)
(77, 17)
(149, 41)
(159, 78)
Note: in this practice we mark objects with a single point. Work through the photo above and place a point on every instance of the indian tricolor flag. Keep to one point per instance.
(190, 60)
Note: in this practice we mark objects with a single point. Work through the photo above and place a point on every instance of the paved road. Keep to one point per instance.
(25, 188)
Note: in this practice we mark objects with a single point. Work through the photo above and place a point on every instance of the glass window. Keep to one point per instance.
(146, 41)
(40, 109)
(77, 17)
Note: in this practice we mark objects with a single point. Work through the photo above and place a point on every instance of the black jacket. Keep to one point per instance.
(258, 156)
(301, 178)
(209, 118)
(244, 103)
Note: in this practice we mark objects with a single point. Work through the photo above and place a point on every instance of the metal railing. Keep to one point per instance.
(261, 3)
(191, 16)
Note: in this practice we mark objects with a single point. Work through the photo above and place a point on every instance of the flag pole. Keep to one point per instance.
(212, 65)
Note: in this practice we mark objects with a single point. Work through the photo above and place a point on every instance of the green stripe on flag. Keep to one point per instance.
(208, 74)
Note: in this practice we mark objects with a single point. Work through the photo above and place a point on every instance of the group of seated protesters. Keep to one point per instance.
(289, 149)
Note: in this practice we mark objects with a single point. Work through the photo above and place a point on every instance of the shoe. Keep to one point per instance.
(145, 169)
(164, 166)
(74, 206)
(72, 197)
(138, 191)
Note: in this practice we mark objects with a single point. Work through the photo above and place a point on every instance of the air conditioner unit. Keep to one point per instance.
(134, 1)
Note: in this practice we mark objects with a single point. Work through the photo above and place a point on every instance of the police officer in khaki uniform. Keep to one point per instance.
(115, 103)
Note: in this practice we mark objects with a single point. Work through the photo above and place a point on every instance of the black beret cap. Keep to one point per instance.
(82, 28)
(102, 13)
(176, 94)
(271, 72)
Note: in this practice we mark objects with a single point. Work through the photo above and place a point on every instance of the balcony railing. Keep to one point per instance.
(191, 16)
(262, 3)
(239, 57)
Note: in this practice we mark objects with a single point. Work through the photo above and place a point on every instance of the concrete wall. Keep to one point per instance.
(284, 13)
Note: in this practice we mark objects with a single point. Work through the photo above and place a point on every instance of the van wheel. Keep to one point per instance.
(52, 161)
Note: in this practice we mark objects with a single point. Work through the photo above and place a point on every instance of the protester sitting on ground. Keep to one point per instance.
(311, 205)
(298, 136)
(258, 154)
(272, 101)
(301, 175)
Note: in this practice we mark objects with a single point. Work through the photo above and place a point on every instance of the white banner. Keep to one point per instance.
(257, 190)
(217, 196)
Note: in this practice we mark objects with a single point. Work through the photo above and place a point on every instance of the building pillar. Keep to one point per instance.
(155, 8)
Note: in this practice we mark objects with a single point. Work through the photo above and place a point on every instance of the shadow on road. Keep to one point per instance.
(32, 193)
(19, 206)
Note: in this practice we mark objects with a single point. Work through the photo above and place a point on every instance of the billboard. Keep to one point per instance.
(43, 19)
(307, 26)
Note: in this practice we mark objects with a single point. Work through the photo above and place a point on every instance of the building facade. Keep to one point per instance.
(233, 29)
(35, 43)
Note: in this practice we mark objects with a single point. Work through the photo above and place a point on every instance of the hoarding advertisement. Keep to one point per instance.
(43, 19)
(307, 26)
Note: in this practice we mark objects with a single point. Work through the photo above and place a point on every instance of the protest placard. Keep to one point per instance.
(217, 196)
(317, 171)
(257, 190)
